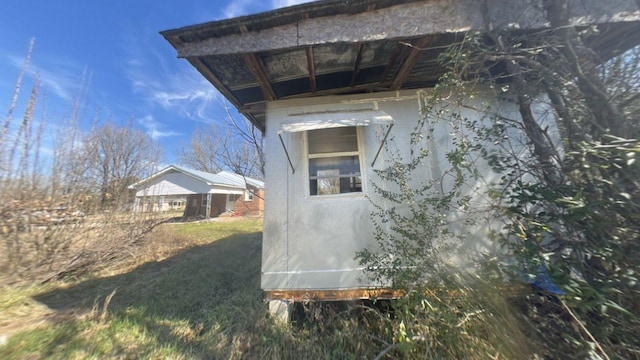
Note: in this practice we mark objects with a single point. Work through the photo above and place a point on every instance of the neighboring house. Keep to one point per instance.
(328, 82)
(198, 193)
(252, 201)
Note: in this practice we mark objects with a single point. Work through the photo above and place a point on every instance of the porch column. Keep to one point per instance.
(208, 209)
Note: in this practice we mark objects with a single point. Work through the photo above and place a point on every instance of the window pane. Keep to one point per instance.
(344, 165)
(340, 139)
(334, 175)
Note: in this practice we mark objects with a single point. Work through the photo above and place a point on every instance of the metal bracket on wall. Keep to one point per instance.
(382, 144)
(293, 171)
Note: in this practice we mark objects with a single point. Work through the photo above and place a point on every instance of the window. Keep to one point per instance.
(248, 195)
(204, 201)
(334, 162)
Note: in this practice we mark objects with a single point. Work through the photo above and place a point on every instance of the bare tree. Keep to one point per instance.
(116, 157)
(236, 147)
(251, 155)
(202, 152)
(5, 162)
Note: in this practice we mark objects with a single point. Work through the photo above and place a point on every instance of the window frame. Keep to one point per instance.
(248, 195)
(361, 162)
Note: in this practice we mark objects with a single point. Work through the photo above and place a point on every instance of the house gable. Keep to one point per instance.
(173, 183)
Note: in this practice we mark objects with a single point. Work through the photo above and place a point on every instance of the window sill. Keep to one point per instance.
(345, 196)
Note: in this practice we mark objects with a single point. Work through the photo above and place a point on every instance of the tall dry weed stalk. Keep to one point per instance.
(52, 221)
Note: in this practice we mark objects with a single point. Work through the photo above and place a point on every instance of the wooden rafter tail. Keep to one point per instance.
(356, 65)
(312, 70)
(257, 69)
(417, 51)
(209, 75)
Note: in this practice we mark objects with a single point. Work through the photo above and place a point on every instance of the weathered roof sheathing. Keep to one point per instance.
(353, 46)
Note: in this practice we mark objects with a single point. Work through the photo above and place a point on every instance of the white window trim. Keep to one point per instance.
(361, 159)
(248, 195)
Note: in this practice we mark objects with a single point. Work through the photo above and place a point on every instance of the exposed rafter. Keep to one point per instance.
(393, 60)
(213, 79)
(356, 65)
(417, 50)
(312, 70)
(298, 52)
(257, 69)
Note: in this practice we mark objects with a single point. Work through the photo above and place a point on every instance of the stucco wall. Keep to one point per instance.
(309, 242)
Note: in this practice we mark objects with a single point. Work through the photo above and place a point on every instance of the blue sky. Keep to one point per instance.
(132, 72)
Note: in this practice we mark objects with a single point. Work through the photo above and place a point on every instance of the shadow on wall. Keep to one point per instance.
(183, 301)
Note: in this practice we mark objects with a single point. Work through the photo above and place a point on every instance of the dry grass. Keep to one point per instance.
(155, 276)
(191, 291)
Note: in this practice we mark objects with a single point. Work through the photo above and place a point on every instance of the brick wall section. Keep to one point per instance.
(255, 207)
(218, 204)
(194, 205)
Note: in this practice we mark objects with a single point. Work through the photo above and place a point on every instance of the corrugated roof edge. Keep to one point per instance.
(243, 180)
(209, 178)
(337, 6)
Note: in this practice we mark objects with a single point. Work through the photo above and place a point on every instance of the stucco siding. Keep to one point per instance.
(173, 184)
(310, 241)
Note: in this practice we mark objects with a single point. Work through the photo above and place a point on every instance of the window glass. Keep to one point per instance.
(334, 163)
(342, 139)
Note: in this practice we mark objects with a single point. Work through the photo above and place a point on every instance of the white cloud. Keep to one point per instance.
(175, 87)
(154, 128)
(185, 92)
(244, 7)
(237, 8)
(61, 78)
(276, 4)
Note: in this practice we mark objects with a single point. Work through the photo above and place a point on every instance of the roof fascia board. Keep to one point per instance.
(184, 172)
(400, 22)
(153, 176)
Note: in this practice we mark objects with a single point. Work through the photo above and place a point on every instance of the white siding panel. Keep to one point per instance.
(173, 183)
(309, 242)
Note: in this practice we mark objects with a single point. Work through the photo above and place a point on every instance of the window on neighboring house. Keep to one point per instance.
(248, 195)
(334, 161)
(204, 201)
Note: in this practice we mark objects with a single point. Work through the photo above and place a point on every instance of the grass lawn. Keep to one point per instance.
(189, 291)
(192, 293)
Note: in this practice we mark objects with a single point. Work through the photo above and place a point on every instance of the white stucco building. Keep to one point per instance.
(328, 83)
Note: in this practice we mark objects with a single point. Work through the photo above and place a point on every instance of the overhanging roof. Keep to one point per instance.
(202, 176)
(335, 47)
